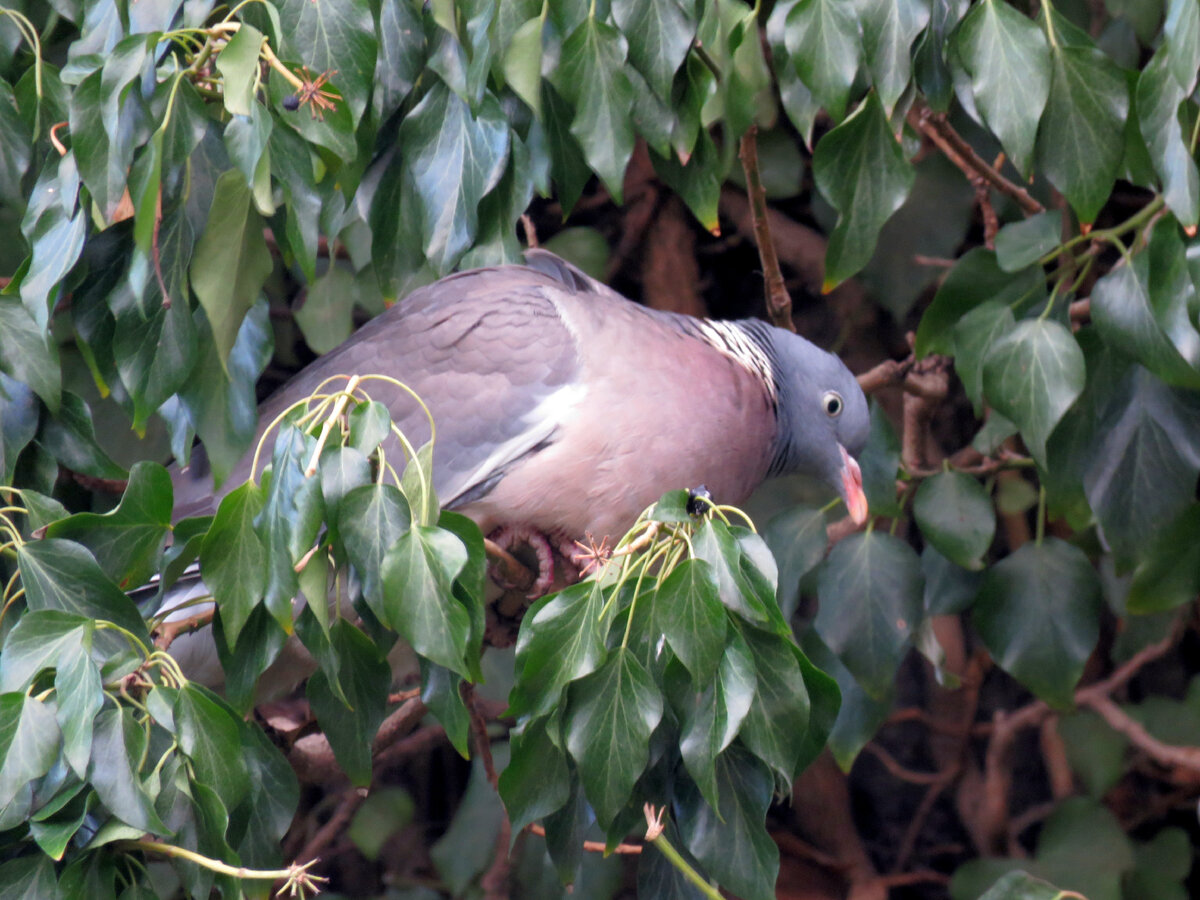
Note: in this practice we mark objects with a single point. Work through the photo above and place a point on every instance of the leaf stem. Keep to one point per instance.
(685, 868)
(1041, 515)
(298, 880)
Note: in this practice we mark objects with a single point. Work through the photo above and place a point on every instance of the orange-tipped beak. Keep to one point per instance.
(852, 489)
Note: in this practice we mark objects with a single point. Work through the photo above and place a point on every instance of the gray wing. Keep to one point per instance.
(488, 353)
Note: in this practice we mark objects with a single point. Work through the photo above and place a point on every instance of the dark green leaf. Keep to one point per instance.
(467, 848)
(26, 355)
(734, 846)
(776, 726)
(231, 261)
(233, 559)
(208, 732)
(55, 231)
(1038, 614)
(128, 540)
(949, 588)
(401, 55)
(975, 279)
(592, 79)
(37, 641)
(659, 33)
(1169, 576)
(29, 877)
(1032, 375)
(861, 170)
(417, 572)
(70, 437)
(880, 464)
(692, 618)
(1096, 752)
(823, 41)
(62, 575)
(956, 516)
(1021, 244)
(1009, 62)
(870, 593)
(1081, 140)
(117, 749)
(609, 719)
(973, 337)
(714, 543)
(441, 692)
(860, 715)
(1182, 33)
(561, 640)
(1023, 886)
(567, 162)
(80, 696)
(18, 423)
(889, 29)
(797, 540)
(29, 740)
(334, 37)
(1142, 464)
(1158, 97)
(271, 800)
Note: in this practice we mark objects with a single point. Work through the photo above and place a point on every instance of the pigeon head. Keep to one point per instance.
(823, 418)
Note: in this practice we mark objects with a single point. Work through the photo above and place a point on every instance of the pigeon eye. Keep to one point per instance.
(832, 404)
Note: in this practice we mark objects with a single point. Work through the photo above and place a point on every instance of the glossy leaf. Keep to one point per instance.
(37, 641)
(1158, 98)
(207, 730)
(973, 337)
(26, 355)
(592, 80)
(238, 64)
(1038, 614)
(29, 740)
(233, 558)
(775, 727)
(956, 516)
(870, 593)
(334, 36)
(692, 618)
(889, 28)
(609, 720)
(231, 261)
(1169, 575)
(659, 34)
(116, 749)
(1032, 375)
(825, 46)
(1009, 62)
(1182, 33)
(861, 170)
(535, 782)
(1021, 244)
(880, 465)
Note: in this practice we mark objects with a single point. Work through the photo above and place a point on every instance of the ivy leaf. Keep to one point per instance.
(880, 464)
(660, 34)
(117, 748)
(36, 642)
(690, 613)
(208, 732)
(976, 278)
(861, 170)
(1181, 31)
(777, 724)
(238, 64)
(1158, 98)
(417, 573)
(18, 422)
(29, 739)
(127, 540)
(1032, 375)
(1009, 62)
(231, 261)
(1143, 462)
(454, 158)
(956, 516)
(592, 79)
(822, 38)
(734, 846)
(1021, 244)
(337, 37)
(523, 63)
(610, 716)
(26, 355)
(870, 592)
(889, 29)
(371, 519)
(1081, 140)
(233, 559)
(1169, 574)
(536, 782)
(973, 337)
(859, 716)
(1038, 613)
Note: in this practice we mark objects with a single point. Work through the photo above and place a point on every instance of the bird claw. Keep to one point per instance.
(509, 536)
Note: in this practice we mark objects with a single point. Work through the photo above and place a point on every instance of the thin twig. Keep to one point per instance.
(779, 303)
(595, 846)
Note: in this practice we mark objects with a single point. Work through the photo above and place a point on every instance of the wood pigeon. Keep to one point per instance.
(563, 407)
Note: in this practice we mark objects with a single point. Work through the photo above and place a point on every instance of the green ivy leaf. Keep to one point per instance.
(660, 34)
(80, 697)
(859, 716)
(975, 279)
(401, 56)
(869, 588)
(1181, 31)
(26, 355)
(889, 29)
(1143, 462)
(956, 516)
(880, 464)
(233, 558)
(18, 422)
(1009, 62)
(417, 572)
(208, 732)
(690, 614)
(823, 41)
(535, 783)
(238, 64)
(36, 642)
(454, 157)
(231, 261)
(29, 740)
(797, 540)
(1021, 244)
(1032, 375)
(592, 79)
(861, 170)
(1081, 140)
(1158, 98)
(1038, 614)
(128, 540)
(777, 723)
(334, 36)
(70, 437)
(610, 716)
(117, 748)
(973, 337)
(1169, 575)
(523, 63)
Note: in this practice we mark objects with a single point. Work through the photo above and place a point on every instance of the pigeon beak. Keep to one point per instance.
(852, 489)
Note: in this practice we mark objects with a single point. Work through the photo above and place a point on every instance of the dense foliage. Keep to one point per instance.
(167, 168)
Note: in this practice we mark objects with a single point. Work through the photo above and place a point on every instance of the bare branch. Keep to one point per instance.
(779, 303)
